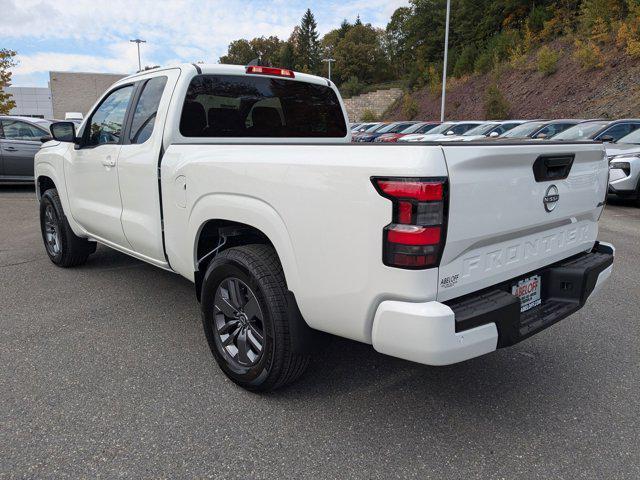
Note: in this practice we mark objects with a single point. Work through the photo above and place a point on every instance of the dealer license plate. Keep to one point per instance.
(528, 291)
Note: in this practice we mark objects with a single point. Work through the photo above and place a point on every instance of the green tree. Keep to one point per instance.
(7, 61)
(360, 54)
(238, 53)
(308, 44)
(495, 105)
(241, 52)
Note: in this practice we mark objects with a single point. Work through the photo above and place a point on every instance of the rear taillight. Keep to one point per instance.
(278, 72)
(415, 238)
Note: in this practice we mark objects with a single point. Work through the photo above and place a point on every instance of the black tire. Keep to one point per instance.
(254, 270)
(63, 247)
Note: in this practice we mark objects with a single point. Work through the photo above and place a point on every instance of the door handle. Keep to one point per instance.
(108, 162)
(10, 149)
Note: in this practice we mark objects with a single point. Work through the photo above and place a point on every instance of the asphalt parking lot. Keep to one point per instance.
(105, 372)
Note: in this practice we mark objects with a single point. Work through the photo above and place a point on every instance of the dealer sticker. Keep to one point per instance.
(528, 291)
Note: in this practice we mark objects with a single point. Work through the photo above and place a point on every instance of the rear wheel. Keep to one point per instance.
(63, 247)
(244, 309)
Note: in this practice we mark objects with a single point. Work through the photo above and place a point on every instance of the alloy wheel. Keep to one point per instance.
(238, 322)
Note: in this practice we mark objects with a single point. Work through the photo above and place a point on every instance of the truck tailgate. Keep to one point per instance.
(516, 208)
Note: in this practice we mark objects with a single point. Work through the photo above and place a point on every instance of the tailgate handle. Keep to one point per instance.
(552, 167)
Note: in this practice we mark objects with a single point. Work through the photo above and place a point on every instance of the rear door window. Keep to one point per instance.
(17, 130)
(246, 106)
(144, 116)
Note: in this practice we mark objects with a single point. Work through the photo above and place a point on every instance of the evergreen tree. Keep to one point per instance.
(308, 44)
(6, 62)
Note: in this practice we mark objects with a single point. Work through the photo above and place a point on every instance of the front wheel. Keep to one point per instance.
(63, 247)
(244, 311)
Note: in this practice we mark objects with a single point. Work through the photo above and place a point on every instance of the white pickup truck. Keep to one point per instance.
(243, 180)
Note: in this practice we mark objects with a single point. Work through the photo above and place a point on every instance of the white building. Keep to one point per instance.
(31, 101)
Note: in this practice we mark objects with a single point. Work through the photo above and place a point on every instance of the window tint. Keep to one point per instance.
(17, 130)
(633, 137)
(462, 128)
(552, 129)
(618, 131)
(425, 128)
(146, 110)
(254, 106)
(582, 131)
(107, 121)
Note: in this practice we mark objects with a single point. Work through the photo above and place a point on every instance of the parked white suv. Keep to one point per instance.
(624, 158)
(243, 181)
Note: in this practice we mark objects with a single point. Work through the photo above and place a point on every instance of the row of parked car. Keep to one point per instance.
(621, 138)
(20, 139)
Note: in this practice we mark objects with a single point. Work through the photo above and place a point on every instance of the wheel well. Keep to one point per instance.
(44, 184)
(222, 234)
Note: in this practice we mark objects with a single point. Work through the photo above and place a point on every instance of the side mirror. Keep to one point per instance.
(45, 139)
(450, 132)
(494, 135)
(64, 132)
(541, 136)
(606, 139)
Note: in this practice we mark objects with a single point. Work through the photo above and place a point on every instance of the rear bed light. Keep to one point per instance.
(415, 238)
(278, 72)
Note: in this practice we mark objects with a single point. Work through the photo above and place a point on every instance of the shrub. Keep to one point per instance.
(588, 55)
(548, 61)
(465, 61)
(484, 62)
(495, 105)
(368, 116)
(409, 107)
(628, 40)
(352, 87)
(434, 77)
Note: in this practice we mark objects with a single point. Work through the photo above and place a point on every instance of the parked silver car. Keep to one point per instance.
(20, 140)
(624, 165)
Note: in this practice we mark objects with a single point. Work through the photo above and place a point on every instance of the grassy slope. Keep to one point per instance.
(612, 91)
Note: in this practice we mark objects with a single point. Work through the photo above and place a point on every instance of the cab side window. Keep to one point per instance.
(144, 116)
(17, 130)
(618, 131)
(106, 123)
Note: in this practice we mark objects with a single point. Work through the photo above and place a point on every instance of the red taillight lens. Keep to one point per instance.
(278, 72)
(415, 239)
(422, 191)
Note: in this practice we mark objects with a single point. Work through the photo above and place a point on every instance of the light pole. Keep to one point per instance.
(329, 60)
(444, 70)
(138, 41)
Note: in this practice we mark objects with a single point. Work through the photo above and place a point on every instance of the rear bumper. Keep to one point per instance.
(435, 333)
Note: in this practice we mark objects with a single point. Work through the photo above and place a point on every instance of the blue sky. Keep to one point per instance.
(93, 36)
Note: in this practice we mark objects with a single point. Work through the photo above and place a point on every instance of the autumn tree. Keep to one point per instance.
(7, 61)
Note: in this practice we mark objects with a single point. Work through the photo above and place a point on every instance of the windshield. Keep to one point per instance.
(461, 128)
(374, 128)
(482, 129)
(583, 131)
(441, 128)
(633, 137)
(524, 130)
(415, 128)
(394, 128)
(426, 128)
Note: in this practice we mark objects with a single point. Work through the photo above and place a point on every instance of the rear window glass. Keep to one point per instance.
(248, 106)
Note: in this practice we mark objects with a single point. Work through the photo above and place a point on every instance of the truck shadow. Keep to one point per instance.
(514, 385)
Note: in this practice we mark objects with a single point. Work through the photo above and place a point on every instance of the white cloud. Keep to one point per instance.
(174, 29)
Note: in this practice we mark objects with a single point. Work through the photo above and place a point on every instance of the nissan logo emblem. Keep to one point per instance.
(551, 198)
